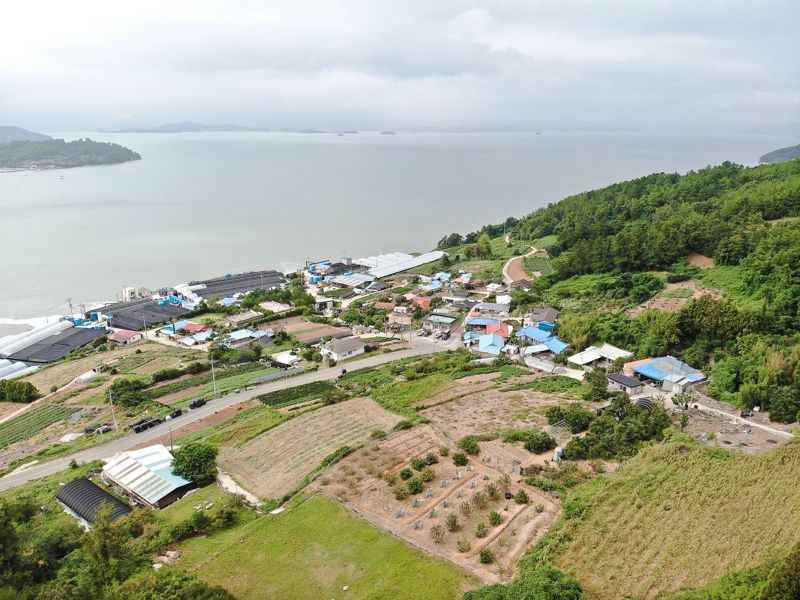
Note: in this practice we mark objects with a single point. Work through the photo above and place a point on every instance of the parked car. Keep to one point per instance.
(90, 428)
(446, 335)
(421, 332)
(509, 496)
(175, 413)
(197, 403)
(103, 429)
(746, 414)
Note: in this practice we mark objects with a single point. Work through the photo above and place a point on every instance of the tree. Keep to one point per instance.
(196, 462)
(784, 580)
(166, 584)
(598, 385)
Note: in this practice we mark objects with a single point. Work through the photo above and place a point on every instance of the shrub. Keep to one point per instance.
(418, 463)
(444, 451)
(427, 474)
(504, 482)
(414, 485)
(430, 459)
(538, 442)
(460, 459)
(469, 444)
(196, 461)
(481, 531)
(452, 522)
(465, 508)
(463, 545)
(377, 434)
(539, 508)
(492, 491)
(400, 492)
(404, 424)
(521, 497)
(406, 474)
(486, 556)
(437, 534)
(481, 500)
(495, 518)
(390, 478)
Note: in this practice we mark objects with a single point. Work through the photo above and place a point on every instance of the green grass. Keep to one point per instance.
(245, 426)
(32, 422)
(224, 384)
(212, 319)
(549, 385)
(312, 551)
(728, 280)
(297, 394)
(678, 508)
(401, 396)
(545, 242)
(677, 293)
(336, 293)
(537, 262)
(183, 508)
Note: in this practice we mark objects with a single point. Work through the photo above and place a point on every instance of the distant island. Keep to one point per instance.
(188, 127)
(780, 155)
(9, 133)
(58, 154)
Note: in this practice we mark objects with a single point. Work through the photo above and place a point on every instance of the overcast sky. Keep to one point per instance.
(403, 64)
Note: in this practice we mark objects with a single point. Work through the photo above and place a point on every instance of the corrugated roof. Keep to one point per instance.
(146, 472)
(86, 498)
(593, 353)
(397, 262)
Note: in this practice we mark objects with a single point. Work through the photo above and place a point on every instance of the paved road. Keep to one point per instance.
(420, 346)
(514, 270)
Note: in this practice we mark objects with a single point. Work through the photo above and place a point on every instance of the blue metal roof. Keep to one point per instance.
(533, 333)
(491, 344)
(481, 321)
(662, 367)
(556, 345)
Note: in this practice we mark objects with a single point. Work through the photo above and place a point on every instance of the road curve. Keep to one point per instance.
(127, 442)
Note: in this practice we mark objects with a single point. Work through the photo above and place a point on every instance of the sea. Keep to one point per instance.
(204, 204)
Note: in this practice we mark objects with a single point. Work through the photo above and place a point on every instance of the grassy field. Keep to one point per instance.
(676, 517)
(545, 242)
(297, 394)
(728, 280)
(32, 422)
(401, 396)
(537, 262)
(245, 426)
(312, 551)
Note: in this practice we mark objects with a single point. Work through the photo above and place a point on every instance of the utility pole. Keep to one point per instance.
(113, 412)
(213, 377)
(69, 301)
(170, 436)
(144, 326)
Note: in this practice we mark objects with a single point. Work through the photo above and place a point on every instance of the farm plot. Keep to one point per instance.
(305, 330)
(31, 423)
(9, 407)
(673, 297)
(490, 411)
(273, 464)
(456, 502)
(297, 394)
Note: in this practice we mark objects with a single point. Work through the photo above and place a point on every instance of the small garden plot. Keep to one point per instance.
(304, 330)
(490, 411)
(9, 407)
(674, 297)
(275, 463)
(297, 394)
(406, 484)
(32, 422)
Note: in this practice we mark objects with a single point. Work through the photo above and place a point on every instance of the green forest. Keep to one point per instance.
(59, 154)
(619, 244)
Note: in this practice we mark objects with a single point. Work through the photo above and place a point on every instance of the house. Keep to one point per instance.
(494, 287)
(505, 299)
(422, 302)
(146, 476)
(243, 318)
(343, 349)
(398, 318)
(439, 322)
(125, 337)
(537, 315)
(433, 286)
(673, 374)
(593, 355)
(491, 344)
(230, 301)
(83, 499)
(490, 309)
(501, 329)
(384, 306)
(479, 324)
(622, 383)
(193, 328)
(539, 341)
(285, 359)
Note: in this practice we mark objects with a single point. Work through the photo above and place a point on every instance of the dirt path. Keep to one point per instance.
(514, 269)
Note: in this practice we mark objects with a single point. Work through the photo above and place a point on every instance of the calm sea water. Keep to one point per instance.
(204, 204)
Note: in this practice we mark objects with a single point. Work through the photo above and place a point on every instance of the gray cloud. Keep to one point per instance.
(501, 63)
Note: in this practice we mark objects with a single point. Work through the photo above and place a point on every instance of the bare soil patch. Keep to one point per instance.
(700, 260)
(354, 481)
(674, 297)
(275, 462)
(490, 411)
(305, 330)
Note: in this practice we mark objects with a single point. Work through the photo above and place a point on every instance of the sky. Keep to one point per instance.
(413, 64)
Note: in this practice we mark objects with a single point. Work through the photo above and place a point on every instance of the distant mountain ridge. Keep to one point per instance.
(11, 133)
(780, 155)
(188, 127)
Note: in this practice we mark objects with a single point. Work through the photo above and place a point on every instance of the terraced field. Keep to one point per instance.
(274, 463)
(32, 422)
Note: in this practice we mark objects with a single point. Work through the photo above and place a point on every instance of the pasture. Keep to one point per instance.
(276, 462)
(314, 549)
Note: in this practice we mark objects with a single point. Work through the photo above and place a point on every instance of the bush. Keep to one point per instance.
(460, 459)
(377, 434)
(492, 491)
(414, 485)
(444, 451)
(430, 459)
(406, 474)
(495, 518)
(452, 522)
(521, 497)
(427, 474)
(437, 534)
(481, 500)
(469, 444)
(400, 492)
(196, 462)
(404, 424)
(390, 478)
(418, 463)
(463, 545)
(538, 442)
(465, 508)
(486, 556)
(481, 531)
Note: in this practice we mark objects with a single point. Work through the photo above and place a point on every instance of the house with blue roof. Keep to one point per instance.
(491, 344)
(539, 340)
(673, 374)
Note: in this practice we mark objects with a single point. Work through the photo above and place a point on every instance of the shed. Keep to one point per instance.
(83, 499)
(243, 318)
(623, 383)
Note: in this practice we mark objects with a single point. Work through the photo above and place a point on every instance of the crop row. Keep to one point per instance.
(297, 394)
(32, 422)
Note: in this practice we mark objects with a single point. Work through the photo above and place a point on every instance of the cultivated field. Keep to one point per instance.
(673, 297)
(678, 516)
(304, 330)
(31, 423)
(9, 407)
(355, 481)
(276, 462)
(490, 411)
(313, 550)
